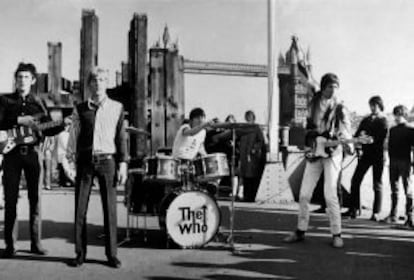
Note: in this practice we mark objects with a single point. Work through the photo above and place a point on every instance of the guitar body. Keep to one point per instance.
(22, 135)
(317, 143)
(323, 146)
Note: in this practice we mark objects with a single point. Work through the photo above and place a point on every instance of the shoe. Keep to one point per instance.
(38, 250)
(114, 262)
(78, 261)
(293, 238)
(351, 213)
(337, 242)
(389, 220)
(9, 253)
(375, 217)
(409, 223)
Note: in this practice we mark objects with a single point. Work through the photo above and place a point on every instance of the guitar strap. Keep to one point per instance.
(40, 102)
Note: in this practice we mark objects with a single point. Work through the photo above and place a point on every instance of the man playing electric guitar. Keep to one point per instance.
(326, 115)
(18, 110)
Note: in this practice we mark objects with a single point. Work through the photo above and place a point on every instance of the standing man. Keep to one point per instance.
(400, 143)
(326, 116)
(99, 144)
(21, 110)
(375, 125)
(252, 158)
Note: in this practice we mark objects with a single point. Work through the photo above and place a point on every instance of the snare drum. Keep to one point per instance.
(190, 218)
(211, 167)
(163, 169)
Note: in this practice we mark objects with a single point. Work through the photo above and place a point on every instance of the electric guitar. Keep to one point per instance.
(321, 146)
(22, 135)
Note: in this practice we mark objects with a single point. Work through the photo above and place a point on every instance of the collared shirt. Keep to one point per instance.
(107, 116)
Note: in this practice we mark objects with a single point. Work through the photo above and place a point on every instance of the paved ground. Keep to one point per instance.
(372, 250)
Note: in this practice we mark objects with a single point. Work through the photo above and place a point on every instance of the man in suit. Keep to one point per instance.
(98, 144)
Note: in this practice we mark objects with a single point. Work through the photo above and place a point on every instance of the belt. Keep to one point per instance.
(101, 157)
(24, 149)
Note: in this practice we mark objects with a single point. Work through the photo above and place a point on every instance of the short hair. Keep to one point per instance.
(196, 113)
(328, 79)
(95, 72)
(230, 117)
(249, 113)
(377, 100)
(26, 67)
(400, 110)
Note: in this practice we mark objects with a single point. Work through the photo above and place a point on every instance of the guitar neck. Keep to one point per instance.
(338, 142)
(47, 125)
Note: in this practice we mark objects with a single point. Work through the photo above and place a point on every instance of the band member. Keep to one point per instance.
(252, 159)
(190, 137)
(98, 141)
(401, 140)
(22, 109)
(375, 125)
(326, 115)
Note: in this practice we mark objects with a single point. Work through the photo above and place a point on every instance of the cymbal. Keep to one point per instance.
(135, 130)
(234, 125)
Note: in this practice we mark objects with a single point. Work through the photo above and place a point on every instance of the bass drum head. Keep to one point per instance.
(192, 219)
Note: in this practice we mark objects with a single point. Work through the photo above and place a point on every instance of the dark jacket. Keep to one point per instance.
(85, 137)
(12, 106)
(377, 128)
(400, 142)
(252, 154)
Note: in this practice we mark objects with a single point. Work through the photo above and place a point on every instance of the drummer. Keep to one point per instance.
(190, 137)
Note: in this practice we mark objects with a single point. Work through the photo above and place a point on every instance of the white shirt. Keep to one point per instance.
(106, 120)
(187, 147)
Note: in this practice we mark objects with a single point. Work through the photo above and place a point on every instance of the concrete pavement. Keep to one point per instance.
(372, 250)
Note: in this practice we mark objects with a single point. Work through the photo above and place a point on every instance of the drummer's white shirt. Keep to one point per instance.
(187, 147)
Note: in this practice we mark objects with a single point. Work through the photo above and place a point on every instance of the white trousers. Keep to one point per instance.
(313, 170)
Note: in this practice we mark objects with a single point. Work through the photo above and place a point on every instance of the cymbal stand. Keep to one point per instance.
(230, 238)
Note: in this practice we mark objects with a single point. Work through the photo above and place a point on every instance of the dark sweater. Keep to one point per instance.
(377, 128)
(400, 142)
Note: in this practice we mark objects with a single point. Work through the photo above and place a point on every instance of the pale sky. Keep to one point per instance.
(368, 43)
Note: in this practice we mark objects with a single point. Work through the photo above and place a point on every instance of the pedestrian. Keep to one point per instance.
(252, 158)
(400, 143)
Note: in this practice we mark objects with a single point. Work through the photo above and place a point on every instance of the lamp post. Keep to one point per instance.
(273, 92)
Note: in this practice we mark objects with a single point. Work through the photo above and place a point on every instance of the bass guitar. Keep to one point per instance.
(321, 146)
(23, 135)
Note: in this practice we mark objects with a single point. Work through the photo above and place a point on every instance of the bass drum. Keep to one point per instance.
(191, 219)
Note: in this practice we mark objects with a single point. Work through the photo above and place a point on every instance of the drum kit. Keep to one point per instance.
(188, 212)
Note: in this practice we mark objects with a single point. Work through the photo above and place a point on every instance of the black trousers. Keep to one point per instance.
(104, 170)
(250, 187)
(364, 164)
(13, 164)
(401, 168)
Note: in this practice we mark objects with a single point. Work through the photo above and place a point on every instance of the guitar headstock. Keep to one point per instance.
(365, 139)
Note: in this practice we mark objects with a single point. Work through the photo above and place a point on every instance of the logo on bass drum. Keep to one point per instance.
(193, 221)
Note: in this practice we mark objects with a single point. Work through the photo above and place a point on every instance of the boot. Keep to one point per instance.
(394, 203)
(409, 212)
